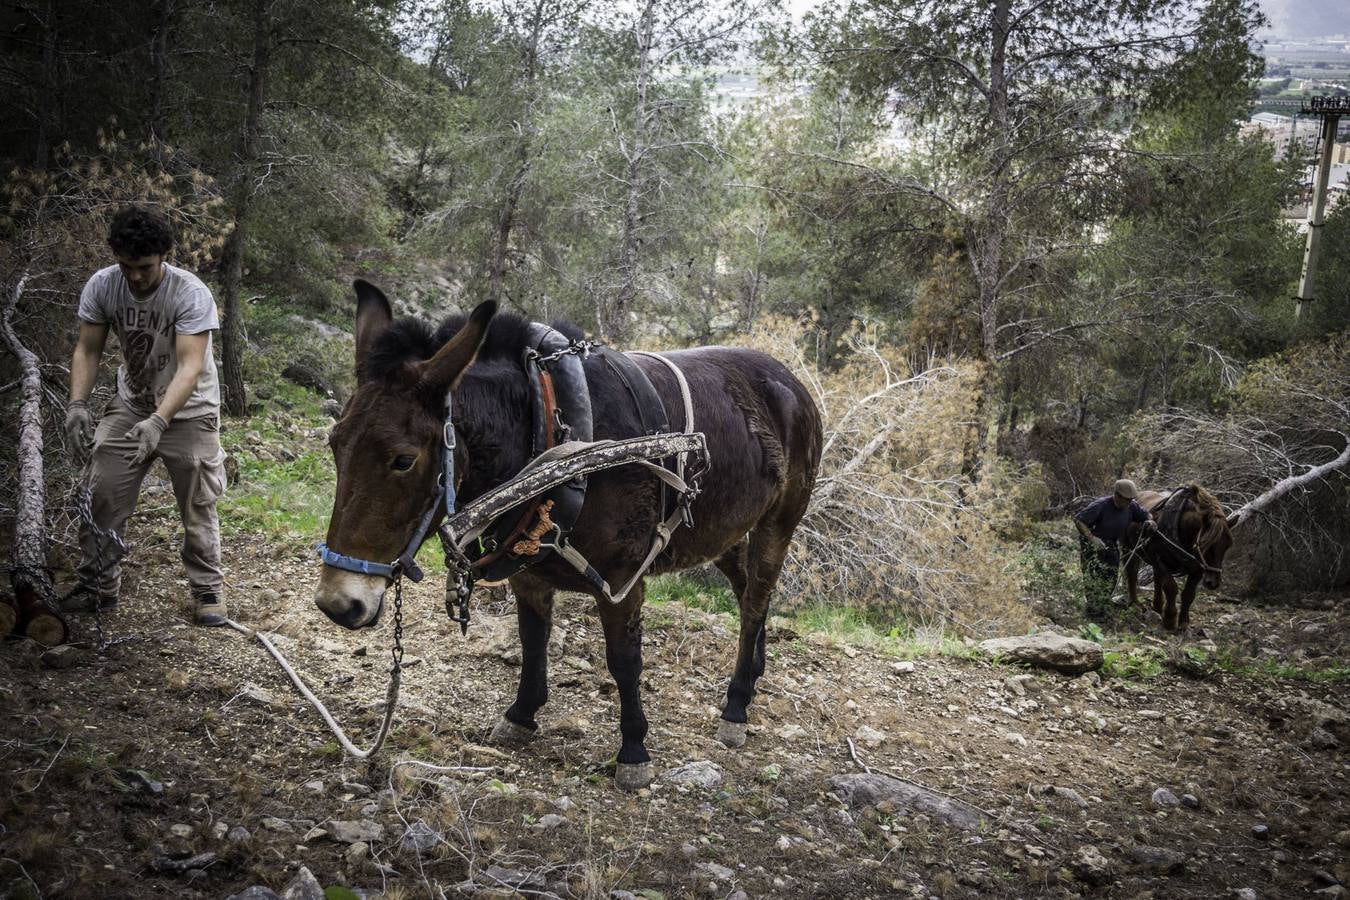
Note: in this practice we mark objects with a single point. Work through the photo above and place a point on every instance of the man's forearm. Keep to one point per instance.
(83, 373)
(180, 388)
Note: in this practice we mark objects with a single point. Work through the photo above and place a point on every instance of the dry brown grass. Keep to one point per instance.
(893, 524)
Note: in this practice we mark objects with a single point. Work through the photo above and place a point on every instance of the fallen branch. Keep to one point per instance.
(1290, 484)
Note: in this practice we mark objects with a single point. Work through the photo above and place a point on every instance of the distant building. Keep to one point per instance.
(1338, 184)
(1283, 131)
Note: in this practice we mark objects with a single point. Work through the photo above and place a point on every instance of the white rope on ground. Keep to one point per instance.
(390, 700)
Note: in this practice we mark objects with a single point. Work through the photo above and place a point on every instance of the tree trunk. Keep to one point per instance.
(32, 583)
(987, 249)
(159, 68)
(516, 189)
(617, 325)
(506, 220)
(47, 89)
(232, 335)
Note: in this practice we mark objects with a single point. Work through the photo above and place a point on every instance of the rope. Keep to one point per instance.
(391, 696)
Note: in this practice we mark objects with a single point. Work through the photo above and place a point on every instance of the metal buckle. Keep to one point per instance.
(448, 435)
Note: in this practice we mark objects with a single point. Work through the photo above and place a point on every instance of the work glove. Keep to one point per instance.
(146, 433)
(79, 429)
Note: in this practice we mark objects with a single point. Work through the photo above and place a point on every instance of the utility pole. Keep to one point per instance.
(1330, 109)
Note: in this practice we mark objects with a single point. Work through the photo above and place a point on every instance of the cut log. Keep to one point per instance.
(38, 620)
(29, 577)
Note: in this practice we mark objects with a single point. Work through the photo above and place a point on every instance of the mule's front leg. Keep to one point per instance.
(1187, 598)
(1169, 612)
(623, 655)
(534, 614)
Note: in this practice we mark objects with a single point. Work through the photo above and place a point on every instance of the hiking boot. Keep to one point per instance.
(210, 611)
(84, 598)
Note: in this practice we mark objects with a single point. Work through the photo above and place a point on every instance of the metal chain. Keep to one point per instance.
(398, 626)
(580, 348)
(84, 509)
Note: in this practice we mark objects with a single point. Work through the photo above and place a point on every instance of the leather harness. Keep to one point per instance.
(1169, 529)
(562, 422)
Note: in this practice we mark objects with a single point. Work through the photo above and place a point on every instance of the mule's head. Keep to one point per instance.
(1213, 543)
(387, 448)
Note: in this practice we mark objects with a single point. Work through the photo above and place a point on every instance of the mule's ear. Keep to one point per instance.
(373, 315)
(440, 373)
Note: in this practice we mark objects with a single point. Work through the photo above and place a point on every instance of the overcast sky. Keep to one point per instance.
(1288, 18)
(1307, 18)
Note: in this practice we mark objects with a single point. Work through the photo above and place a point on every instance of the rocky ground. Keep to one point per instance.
(182, 764)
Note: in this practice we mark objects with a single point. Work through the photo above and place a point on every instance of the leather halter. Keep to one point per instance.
(406, 563)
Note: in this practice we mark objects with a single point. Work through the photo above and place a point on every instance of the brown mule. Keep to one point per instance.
(1201, 535)
(763, 436)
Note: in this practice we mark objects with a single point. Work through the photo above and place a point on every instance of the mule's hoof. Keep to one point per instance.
(509, 734)
(633, 776)
(731, 734)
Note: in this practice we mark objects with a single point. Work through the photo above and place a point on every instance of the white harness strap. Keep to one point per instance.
(664, 529)
(688, 406)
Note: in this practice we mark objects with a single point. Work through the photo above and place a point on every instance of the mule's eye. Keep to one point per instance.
(403, 463)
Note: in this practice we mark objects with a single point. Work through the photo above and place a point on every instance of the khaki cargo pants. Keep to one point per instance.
(190, 449)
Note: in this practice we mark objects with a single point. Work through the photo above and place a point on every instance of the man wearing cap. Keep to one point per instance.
(1102, 525)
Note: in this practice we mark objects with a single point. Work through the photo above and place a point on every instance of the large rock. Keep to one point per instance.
(870, 790)
(256, 892)
(701, 773)
(303, 887)
(1072, 656)
(1090, 865)
(351, 832)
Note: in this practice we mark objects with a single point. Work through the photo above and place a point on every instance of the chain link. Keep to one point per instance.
(84, 509)
(398, 624)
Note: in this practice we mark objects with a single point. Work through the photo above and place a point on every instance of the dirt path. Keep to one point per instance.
(78, 821)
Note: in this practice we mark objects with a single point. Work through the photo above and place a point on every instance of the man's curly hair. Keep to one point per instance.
(138, 231)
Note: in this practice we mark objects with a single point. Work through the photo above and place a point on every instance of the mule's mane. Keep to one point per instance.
(413, 340)
(1209, 504)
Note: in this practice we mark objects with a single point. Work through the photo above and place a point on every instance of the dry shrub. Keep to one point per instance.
(893, 527)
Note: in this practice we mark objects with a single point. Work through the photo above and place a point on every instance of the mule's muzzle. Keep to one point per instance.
(350, 599)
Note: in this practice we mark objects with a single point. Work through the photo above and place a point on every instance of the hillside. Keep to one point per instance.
(123, 768)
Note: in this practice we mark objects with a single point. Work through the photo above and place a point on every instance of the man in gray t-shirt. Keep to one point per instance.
(167, 407)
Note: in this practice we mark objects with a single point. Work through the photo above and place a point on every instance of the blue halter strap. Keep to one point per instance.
(406, 564)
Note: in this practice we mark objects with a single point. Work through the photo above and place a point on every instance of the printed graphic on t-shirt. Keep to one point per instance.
(148, 328)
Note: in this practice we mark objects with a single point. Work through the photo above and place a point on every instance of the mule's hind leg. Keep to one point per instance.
(534, 614)
(623, 656)
(762, 560)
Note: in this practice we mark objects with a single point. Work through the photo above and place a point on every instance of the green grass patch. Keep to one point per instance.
(691, 593)
(875, 629)
(283, 488)
(1228, 661)
(1133, 664)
